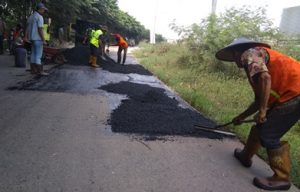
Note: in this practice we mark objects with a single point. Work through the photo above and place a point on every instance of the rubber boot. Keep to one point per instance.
(41, 70)
(94, 62)
(250, 149)
(281, 165)
(33, 69)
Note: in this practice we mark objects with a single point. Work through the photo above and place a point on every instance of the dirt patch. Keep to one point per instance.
(150, 111)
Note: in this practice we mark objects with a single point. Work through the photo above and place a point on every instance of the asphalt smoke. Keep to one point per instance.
(150, 111)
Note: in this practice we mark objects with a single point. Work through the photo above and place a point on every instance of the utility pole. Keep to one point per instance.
(152, 31)
(214, 6)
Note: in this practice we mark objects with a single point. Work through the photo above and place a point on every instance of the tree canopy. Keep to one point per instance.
(217, 31)
(63, 12)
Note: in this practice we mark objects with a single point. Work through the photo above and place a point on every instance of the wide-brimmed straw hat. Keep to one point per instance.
(240, 44)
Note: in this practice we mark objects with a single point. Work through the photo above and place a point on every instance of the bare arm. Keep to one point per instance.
(41, 33)
(264, 89)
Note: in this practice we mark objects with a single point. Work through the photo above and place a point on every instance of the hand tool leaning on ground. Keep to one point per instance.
(216, 129)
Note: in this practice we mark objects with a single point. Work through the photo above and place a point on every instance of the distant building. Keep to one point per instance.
(290, 22)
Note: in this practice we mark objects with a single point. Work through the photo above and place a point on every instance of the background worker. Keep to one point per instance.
(275, 80)
(61, 34)
(123, 46)
(95, 41)
(87, 36)
(15, 33)
(35, 34)
(46, 29)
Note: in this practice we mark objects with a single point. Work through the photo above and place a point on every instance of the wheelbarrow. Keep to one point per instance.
(53, 54)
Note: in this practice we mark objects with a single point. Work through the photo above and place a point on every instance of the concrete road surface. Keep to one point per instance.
(52, 141)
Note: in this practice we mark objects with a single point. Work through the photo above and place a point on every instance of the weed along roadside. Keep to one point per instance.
(215, 94)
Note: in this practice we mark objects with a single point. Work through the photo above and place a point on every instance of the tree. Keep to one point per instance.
(64, 12)
(214, 32)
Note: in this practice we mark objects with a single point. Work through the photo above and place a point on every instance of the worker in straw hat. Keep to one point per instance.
(275, 80)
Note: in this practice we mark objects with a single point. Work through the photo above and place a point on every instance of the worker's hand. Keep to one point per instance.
(260, 117)
(238, 120)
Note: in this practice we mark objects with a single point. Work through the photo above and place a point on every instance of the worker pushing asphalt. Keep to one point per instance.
(275, 80)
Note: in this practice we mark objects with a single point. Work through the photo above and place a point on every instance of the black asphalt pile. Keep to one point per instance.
(110, 65)
(150, 111)
(78, 55)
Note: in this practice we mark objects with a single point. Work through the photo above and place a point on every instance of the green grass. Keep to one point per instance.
(214, 94)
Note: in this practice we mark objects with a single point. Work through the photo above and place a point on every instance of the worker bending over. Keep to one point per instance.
(123, 46)
(275, 80)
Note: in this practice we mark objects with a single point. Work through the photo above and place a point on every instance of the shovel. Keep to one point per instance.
(216, 128)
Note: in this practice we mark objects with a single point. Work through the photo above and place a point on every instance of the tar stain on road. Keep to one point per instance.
(78, 80)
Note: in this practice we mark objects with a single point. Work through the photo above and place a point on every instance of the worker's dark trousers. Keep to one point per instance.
(94, 51)
(120, 54)
(1, 44)
(279, 121)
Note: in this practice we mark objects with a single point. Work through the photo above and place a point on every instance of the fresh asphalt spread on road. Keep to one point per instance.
(146, 110)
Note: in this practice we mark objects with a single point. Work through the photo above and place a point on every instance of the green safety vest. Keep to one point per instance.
(46, 34)
(95, 37)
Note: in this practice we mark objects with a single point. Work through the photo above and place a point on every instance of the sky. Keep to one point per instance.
(158, 14)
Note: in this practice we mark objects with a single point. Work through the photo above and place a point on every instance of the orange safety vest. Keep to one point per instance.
(285, 77)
